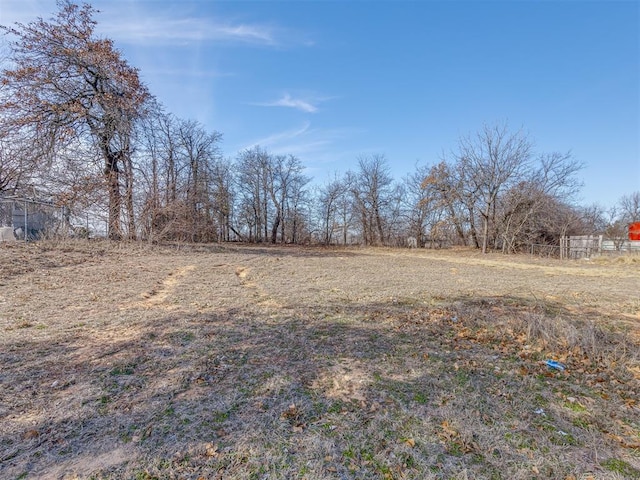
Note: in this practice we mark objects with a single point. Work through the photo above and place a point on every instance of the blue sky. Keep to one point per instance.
(329, 81)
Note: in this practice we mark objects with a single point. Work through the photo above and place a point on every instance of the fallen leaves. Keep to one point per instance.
(211, 450)
(293, 412)
(626, 443)
(30, 434)
(410, 442)
(293, 415)
(455, 442)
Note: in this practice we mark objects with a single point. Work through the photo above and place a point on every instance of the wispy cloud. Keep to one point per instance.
(288, 101)
(187, 30)
(280, 138)
(247, 33)
(137, 22)
(317, 147)
(144, 25)
(307, 104)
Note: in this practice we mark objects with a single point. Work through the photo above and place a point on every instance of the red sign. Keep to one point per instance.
(634, 231)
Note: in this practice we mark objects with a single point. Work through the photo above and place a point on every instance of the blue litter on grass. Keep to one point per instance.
(554, 364)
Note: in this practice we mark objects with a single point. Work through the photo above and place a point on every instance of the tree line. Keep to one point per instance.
(79, 126)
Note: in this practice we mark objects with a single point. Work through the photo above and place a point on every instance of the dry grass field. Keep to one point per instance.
(259, 362)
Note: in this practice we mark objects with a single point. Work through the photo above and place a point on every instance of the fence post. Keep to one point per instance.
(26, 221)
(600, 239)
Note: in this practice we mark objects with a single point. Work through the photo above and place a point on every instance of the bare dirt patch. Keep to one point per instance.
(283, 362)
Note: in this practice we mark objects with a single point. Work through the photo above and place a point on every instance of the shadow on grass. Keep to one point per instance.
(347, 391)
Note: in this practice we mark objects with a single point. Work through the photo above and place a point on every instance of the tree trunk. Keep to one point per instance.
(485, 227)
(485, 233)
(131, 224)
(115, 201)
(472, 229)
(274, 229)
(379, 226)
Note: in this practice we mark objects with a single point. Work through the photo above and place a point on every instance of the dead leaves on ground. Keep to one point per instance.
(495, 342)
(293, 415)
(455, 442)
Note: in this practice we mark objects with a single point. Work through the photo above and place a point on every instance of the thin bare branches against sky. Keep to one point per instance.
(329, 81)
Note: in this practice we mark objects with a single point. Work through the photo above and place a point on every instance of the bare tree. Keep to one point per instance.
(200, 153)
(285, 182)
(328, 202)
(591, 219)
(493, 160)
(526, 208)
(371, 191)
(68, 83)
(615, 228)
(415, 202)
(630, 207)
(271, 189)
(223, 199)
(18, 165)
(347, 208)
(452, 197)
(187, 184)
(296, 210)
(252, 181)
(422, 207)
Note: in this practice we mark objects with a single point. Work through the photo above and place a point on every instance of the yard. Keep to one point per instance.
(262, 362)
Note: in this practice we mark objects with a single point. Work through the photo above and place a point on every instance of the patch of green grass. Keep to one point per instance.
(420, 397)
(144, 475)
(304, 470)
(544, 425)
(125, 369)
(183, 337)
(383, 469)
(462, 377)
(621, 467)
(540, 400)
(219, 417)
(169, 411)
(103, 403)
(563, 438)
(581, 423)
(127, 436)
(366, 455)
(520, 440)
(407, 460)
(349, 453)
(575, 406)
(336, 407)
(455, 449)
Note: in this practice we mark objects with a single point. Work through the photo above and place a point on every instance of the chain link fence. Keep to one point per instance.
(33, 219)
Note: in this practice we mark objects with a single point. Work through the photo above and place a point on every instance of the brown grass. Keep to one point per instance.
(284, 362)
